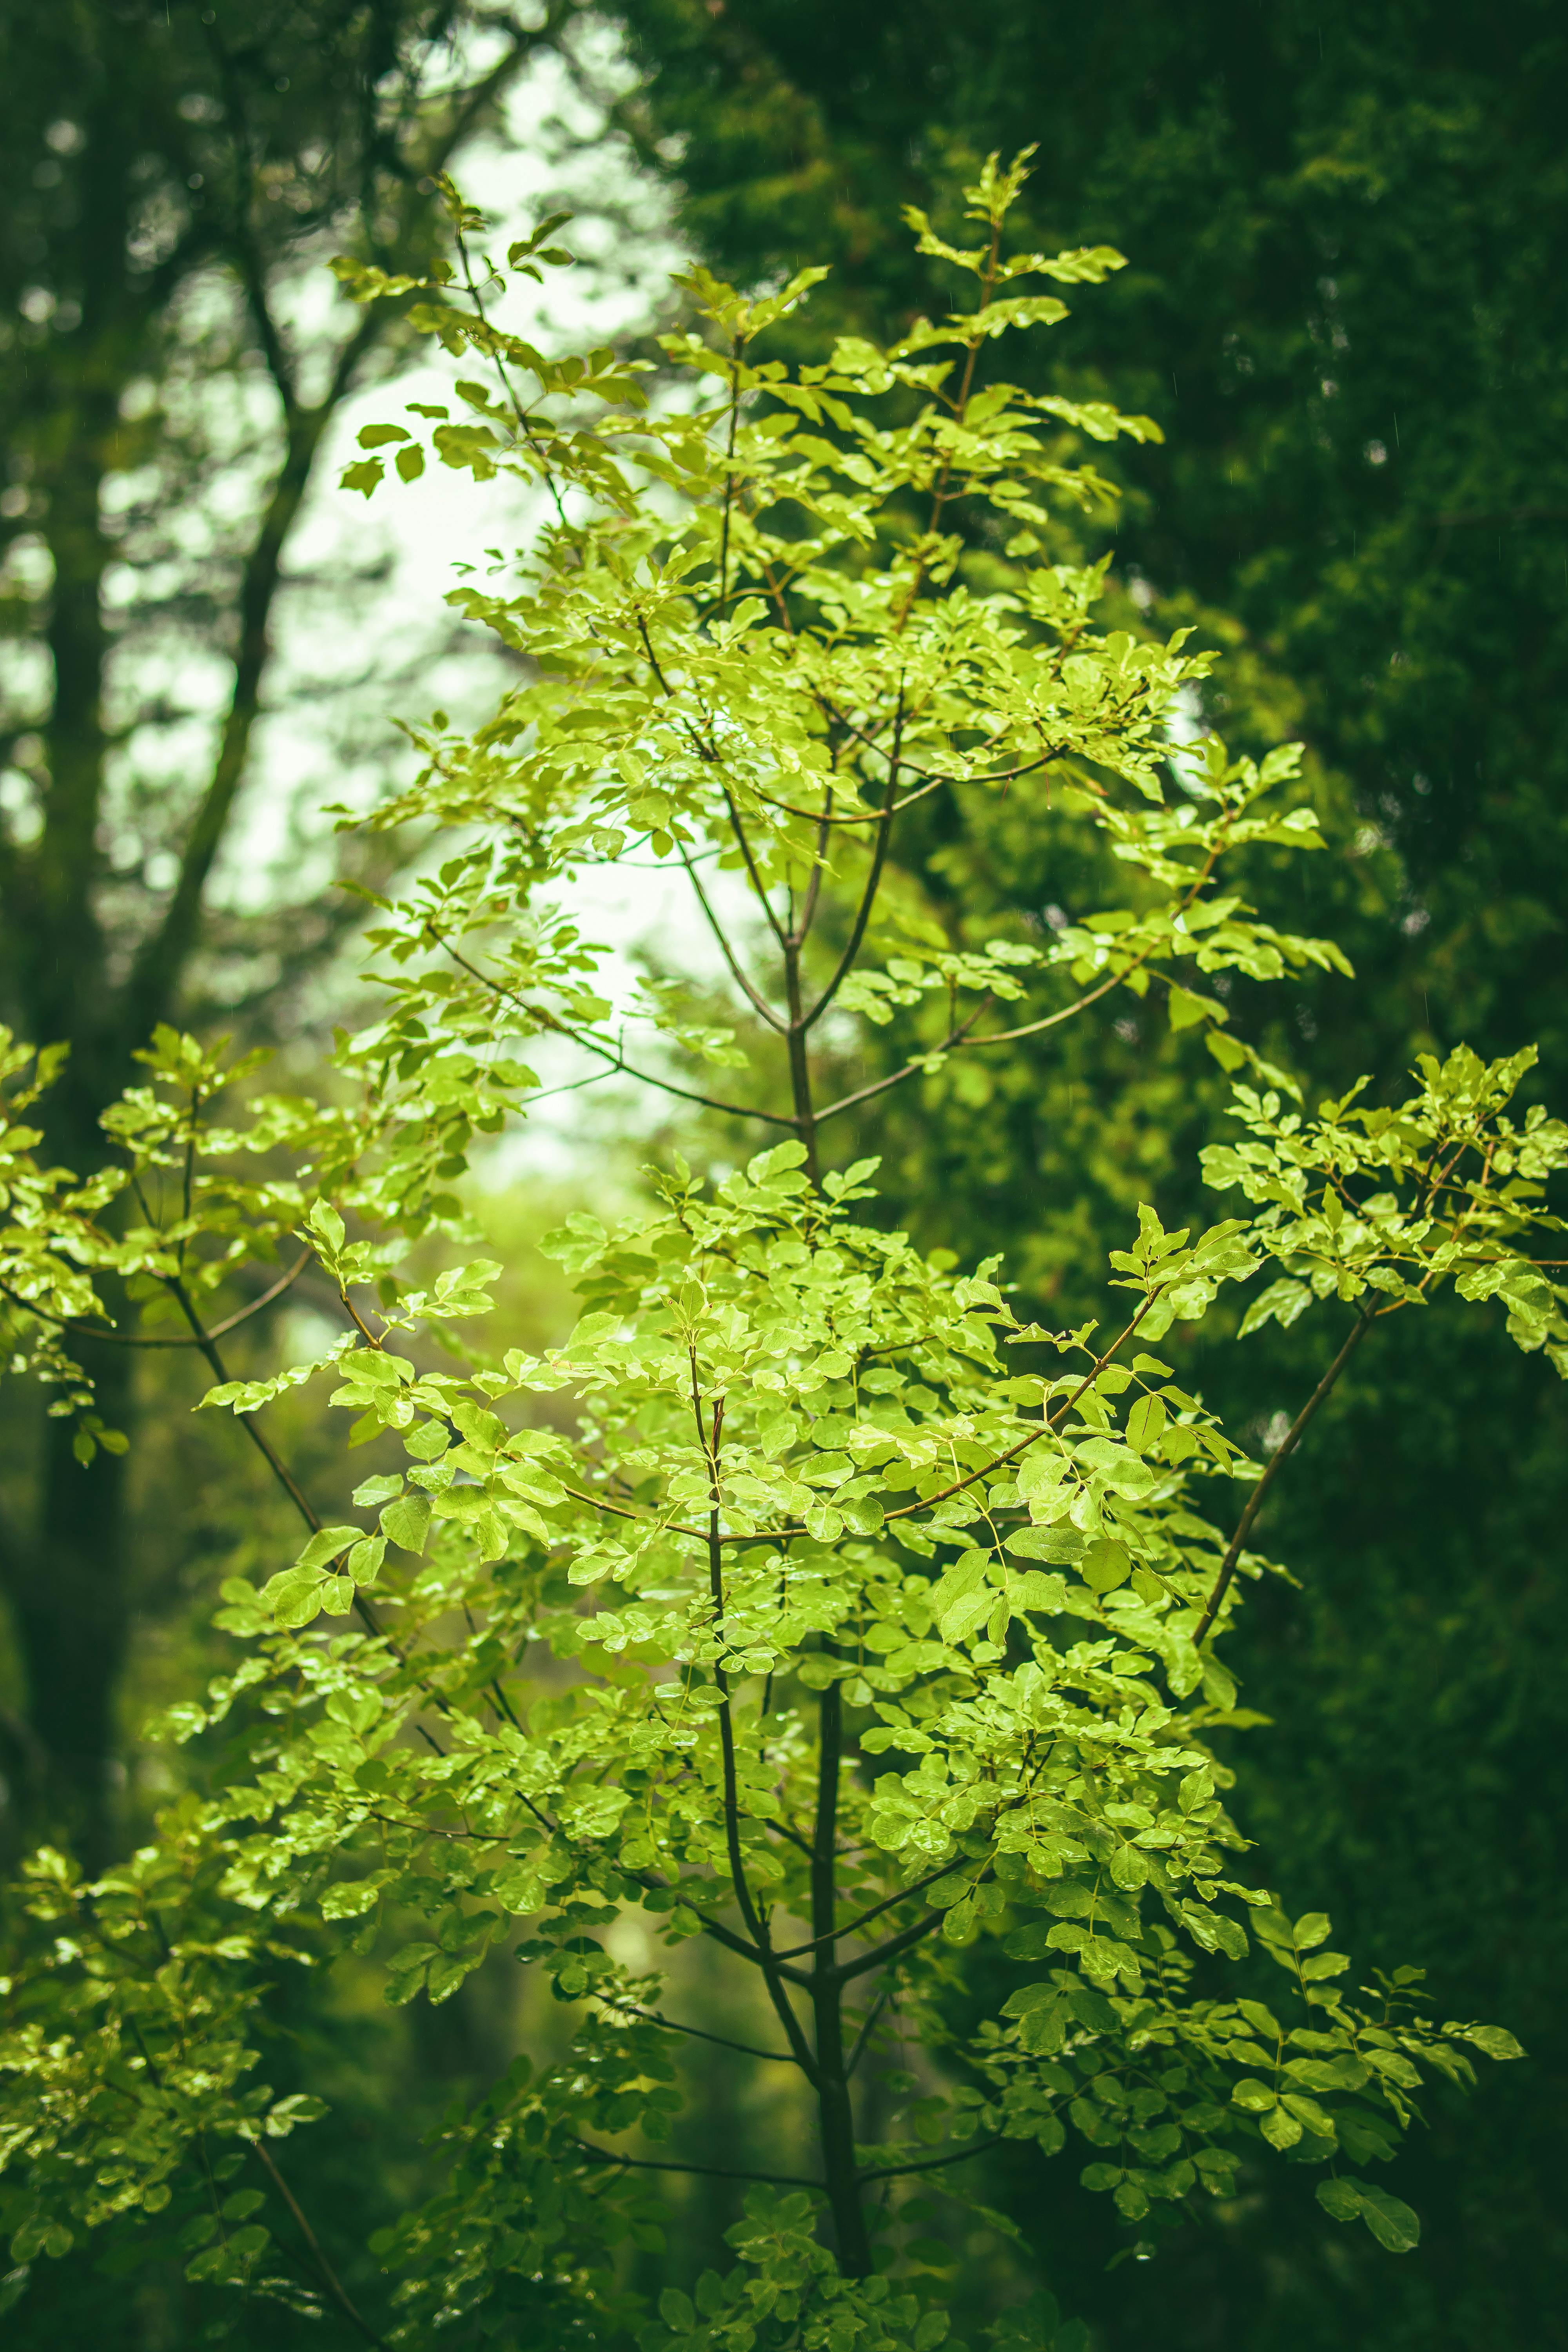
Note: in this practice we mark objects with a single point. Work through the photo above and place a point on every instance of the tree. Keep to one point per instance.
(1345, 229)
(166, 176)
(878, 1621)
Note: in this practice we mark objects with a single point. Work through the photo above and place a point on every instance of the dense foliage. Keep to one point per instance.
(832, 1613)
(1346, 228)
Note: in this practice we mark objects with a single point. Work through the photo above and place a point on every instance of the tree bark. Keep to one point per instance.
(71, 1609)
(835, 2114)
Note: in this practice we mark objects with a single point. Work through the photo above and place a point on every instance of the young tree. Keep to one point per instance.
(1346, 228)
(851, 1621)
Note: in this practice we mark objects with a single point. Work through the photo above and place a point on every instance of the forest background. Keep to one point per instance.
(1347, 234)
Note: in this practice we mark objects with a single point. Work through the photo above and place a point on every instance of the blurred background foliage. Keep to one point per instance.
(1348, 234)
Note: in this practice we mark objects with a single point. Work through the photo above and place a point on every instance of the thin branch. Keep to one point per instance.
(622, 1511)
(757, 999)
(800, 932)
(879, 1086)
(756, 1926)
(617, 1059)
(930, 2163)
(864, 2036)
(1048, 1422)
(726, 1714)
(891, 1949)
(853, 1927)
(727, 1935)
(739, 830)
(1489, 522)
(873, 879)
(81, 1331)
(333, 2284)
(710, 2171)
(872, 815)
(699, 2034)
(736, 347)
(280, 1470)
(1255, 1500)
(204, 1341)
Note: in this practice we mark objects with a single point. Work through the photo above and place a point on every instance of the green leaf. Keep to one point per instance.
(1047, 1543)
(1281, 1302)
(1187, 1010)
(295, 1598)
(1280, 2128)
(406, 1523)
(363, 1562)
(1105, 1565)
(1392, 2223)
(350, 1898)
(325, 1544)
(1146, 1422)
(1494, 2040)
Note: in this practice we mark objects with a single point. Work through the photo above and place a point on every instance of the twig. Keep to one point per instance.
(673, 2025)
(333, 2284)
(616, 1060)
(1255, 1500)
(873, 879)
(81, 1330)
(864, 2036)
(711, 2171)
(930, 2163)
(757, 999)
(853, 1927)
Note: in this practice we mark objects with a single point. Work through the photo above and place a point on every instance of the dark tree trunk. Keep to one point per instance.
(69, 1585)
(72, 1618)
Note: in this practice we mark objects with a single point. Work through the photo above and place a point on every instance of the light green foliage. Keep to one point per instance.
(800, 1598)
(1446, 1187)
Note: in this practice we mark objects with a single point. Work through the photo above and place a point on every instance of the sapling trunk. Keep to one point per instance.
(834, 2111)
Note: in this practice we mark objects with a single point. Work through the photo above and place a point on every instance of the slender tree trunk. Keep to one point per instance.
(836, 2115)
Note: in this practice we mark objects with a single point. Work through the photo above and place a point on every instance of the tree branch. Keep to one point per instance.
(873, 880)
(699, 2034)
(616, 1060)
(879, 1086)
(864, 2036)
(891, 1949)
(757, 999)
(330, 2278)
(756, 1927)
(710, 2171)
(931, 2163)
(739, 830)
(81, 1331)
(853, 1927)
(1255, 1500)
